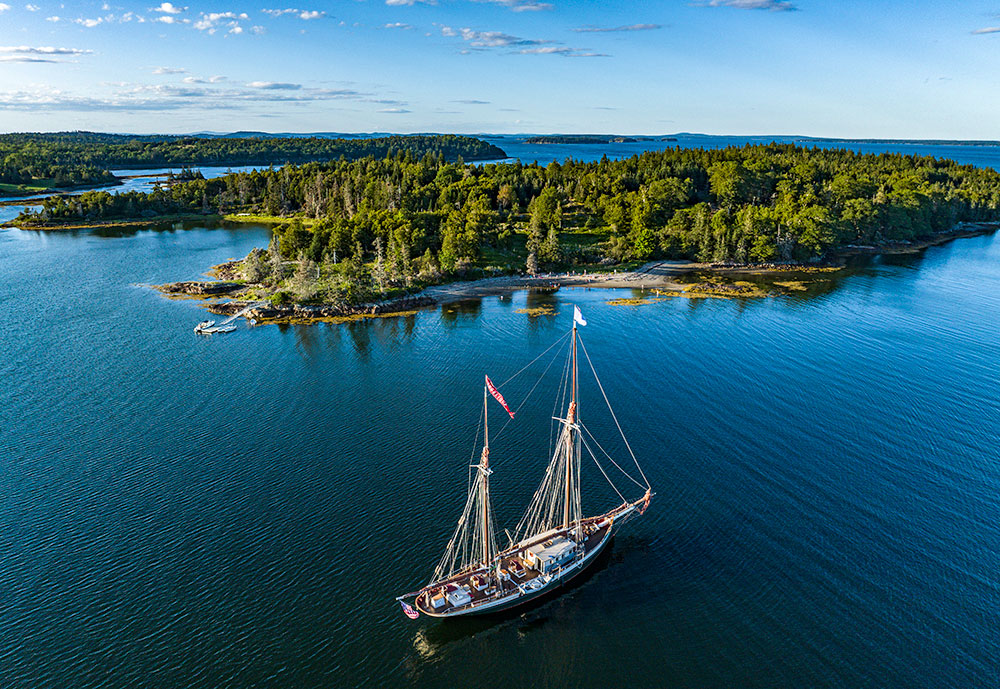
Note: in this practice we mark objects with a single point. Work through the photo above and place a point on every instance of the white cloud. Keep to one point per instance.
(4, 7)
(32, 8)
(988, 29)
(42, 50)
(485, 40)
(167, 97)
(53, 19)
(612, 29)
(274, 86)
(169, 8)
(520, 5)
(46, 54)
(769, 5)
(169, 70)
(213, 21)
(395, 111)
(89, 23)
(397, 25)
(409, 3)
(489, 39)
(559, 50)
(305, 15)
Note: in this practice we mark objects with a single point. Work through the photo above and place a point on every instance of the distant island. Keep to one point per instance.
(897, 142)
(35, 163)
(571, 139)
(357, 231)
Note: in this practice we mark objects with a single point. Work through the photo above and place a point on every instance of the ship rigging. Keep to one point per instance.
(554, 542)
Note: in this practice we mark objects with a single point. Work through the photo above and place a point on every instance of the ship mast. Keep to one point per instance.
(473, 543)
(484, 486)
(570, 420)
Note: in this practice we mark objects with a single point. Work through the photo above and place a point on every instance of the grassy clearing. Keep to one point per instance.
(267, 219)
(23, 188)
(121, 224)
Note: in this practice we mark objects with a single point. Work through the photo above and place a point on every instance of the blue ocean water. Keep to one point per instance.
(240, 511)
(516, 147)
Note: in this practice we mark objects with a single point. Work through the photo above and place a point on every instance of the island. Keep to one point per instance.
(35, 163)
(351, 234)
(579, 139)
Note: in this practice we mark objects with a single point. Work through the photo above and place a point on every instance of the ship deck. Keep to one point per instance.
(514, 575)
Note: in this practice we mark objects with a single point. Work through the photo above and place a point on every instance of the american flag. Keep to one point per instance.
(496, 393)
(409, 611)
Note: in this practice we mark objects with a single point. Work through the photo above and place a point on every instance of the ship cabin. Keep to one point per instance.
(450, 594)
(550, 554)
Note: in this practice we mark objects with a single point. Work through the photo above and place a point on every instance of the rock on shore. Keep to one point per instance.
(198, 288)
(306, 312)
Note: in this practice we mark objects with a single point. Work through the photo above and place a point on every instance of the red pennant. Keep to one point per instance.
(496, 394)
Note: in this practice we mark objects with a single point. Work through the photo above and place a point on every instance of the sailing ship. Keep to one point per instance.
(554, 542)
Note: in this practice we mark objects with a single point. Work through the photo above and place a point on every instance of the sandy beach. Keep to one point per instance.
(656, 274)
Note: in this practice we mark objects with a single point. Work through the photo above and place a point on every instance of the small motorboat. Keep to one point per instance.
(204, 325)
(217, 329)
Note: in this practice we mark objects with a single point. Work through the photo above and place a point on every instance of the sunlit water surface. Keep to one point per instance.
(240, 511)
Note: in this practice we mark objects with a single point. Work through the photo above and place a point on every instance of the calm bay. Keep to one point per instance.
(178, 510)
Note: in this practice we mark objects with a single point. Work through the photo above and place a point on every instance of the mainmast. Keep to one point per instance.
(570, 420)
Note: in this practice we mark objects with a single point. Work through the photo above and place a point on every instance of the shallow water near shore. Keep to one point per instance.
(240, 511)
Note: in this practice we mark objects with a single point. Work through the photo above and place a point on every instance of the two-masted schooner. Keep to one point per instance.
(553, 543)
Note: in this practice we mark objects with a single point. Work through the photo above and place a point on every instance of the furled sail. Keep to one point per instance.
(558, 495)
(473, 545)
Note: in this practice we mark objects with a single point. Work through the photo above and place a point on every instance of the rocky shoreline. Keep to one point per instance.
(308, 313)
(664, 276)
(959, 231)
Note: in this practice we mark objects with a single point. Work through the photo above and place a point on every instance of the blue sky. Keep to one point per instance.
(846, 69)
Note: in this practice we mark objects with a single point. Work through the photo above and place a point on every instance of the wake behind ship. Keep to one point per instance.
(553, 543)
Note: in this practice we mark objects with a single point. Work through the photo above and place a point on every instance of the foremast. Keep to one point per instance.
(473, 544)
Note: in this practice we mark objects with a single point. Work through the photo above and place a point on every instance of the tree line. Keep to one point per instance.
(73, 158)
(755, 203)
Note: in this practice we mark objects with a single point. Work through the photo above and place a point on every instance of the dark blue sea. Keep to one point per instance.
(240, 511)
